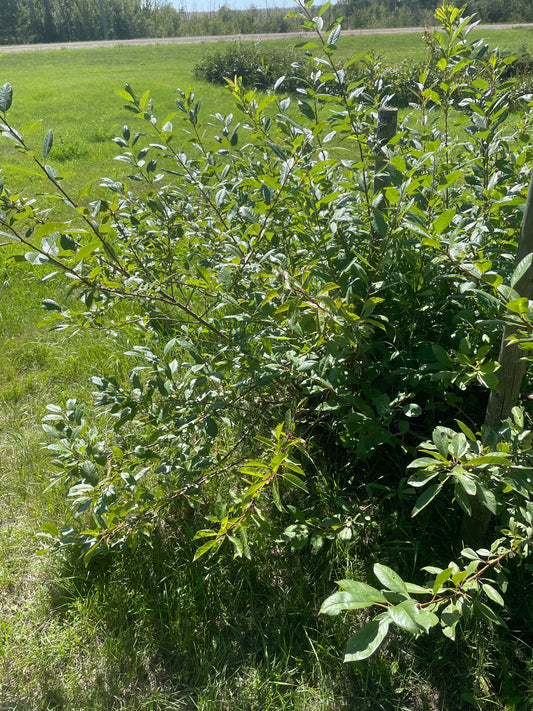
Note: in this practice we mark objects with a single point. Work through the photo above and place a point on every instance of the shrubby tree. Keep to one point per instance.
(314, 320)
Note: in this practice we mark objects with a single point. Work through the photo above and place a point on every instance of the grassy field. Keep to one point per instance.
(155, 632)
(74, 91)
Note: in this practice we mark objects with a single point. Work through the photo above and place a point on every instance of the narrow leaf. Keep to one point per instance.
(521, 268)
(47, 143)
(294, 480)
(215, 543)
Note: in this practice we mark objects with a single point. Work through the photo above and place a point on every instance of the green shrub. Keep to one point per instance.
(257, 65)
(305, 319)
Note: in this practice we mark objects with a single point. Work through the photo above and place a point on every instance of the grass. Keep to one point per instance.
(74, 91)
(153, 631)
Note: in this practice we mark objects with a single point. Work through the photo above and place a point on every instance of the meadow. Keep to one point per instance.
(159, 634)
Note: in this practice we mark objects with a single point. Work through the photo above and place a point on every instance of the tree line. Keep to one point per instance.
(406, 13)
(35, 21)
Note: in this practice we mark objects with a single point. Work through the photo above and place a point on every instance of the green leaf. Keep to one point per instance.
(379, 224)
(267, 194)
(35, 258)
(458, 445)
(424, 462)
(51, 172)
(518, 306)
(406, 616)
(50, 528)
(443, 220)
(426, 619)
(487, 498)
(461, 496)
(430, 94)
(493, 594)
(206, 547)
(426, 497)
(521, 269)
(334, 36)
(50, 430)
(441, 355)
(413, 589)
(467, 431)
(440, 439)
(365, 642)
(412, 410)
(450, 616)
(500, 459)
(294, 480)
(21, 170)
(468, 484)
(340, 601)
(390, 579)
(6, 97)
(47, 143)
(362, 590)
(50, 305)
(237, 546)
(441, 578)
(488, 613)
(211, 426)
(90, 472)
(422, 477)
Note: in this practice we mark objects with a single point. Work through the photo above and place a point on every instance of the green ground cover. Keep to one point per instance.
(157, 633)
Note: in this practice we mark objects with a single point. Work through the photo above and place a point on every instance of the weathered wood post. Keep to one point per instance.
(386, 129)
(505, 396)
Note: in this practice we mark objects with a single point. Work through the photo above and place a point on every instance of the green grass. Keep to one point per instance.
(74, 93)
(153, 631)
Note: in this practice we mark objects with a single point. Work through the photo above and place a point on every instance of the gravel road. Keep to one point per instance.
(196, 40)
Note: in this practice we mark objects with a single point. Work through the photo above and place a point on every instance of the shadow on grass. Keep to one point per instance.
(160, 632)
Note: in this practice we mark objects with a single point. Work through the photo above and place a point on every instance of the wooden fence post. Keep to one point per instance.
(505, 396)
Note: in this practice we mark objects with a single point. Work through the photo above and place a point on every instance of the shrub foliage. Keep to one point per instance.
(307, 343)
(262, 67)
(255, 64)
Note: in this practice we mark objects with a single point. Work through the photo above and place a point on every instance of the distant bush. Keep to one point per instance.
(255, 64)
